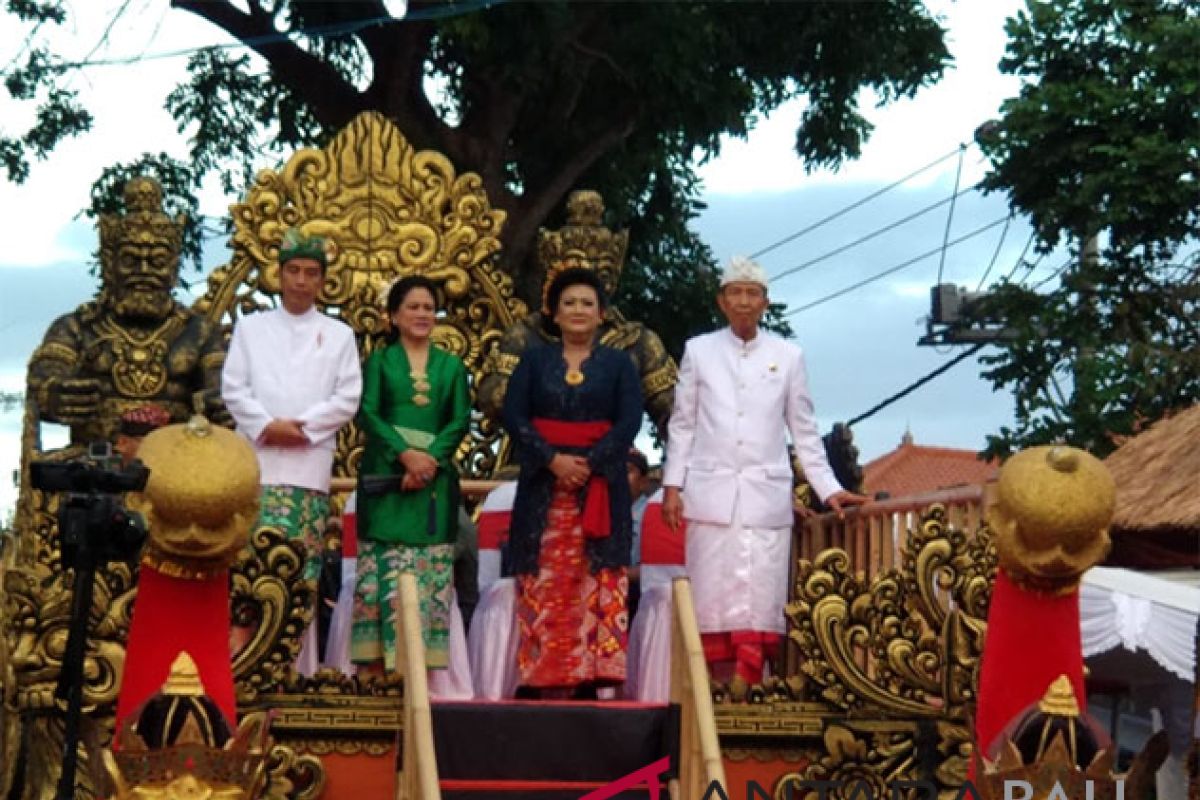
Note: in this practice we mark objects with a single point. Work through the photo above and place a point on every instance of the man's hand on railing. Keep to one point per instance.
(842, 500)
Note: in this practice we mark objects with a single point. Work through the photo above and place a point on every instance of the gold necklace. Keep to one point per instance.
(140, 365)
(421, 387)
(420, 382)
(575, 376)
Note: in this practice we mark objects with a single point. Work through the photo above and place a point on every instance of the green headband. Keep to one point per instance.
(296, 245)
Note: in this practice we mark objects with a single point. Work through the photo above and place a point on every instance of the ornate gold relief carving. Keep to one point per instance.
(388, 210)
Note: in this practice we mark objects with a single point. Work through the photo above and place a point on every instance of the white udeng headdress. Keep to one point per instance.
(742, 270)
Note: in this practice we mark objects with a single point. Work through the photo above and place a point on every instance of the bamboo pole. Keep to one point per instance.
(419, 780)
(699, 748)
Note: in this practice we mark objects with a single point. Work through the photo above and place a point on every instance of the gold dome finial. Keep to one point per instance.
(1051, 513)
(201, 498)
(1063, 459)
(198, 427)
(184, 678)
(1059, 699)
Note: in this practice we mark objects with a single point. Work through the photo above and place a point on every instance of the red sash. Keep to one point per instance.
(596, 518)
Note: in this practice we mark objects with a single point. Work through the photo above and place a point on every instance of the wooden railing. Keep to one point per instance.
(874, 534)
(418, 779)
(699, 750)
(472, 488)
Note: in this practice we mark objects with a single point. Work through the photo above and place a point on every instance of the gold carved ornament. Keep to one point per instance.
(139, 367)
(905, 641)
(584, 243)
(387, 211)
(1060, 753)
(902, 646)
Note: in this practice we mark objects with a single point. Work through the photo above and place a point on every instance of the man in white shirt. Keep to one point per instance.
(291, 381)
(741, 391)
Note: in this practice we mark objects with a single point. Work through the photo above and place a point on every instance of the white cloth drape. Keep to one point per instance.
(492, 642)
(648, 675)
(1120, 608)
(454, 682)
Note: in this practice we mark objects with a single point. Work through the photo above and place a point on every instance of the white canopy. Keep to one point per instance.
(1156, 613)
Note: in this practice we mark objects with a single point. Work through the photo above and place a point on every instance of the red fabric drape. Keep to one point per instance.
(170, 615)
(596, 517)
(1032, 638)
(493, 529)
(660, 544)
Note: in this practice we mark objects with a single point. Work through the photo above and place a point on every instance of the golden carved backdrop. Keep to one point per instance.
(387, 211)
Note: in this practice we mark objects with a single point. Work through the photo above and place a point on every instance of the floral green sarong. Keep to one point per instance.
(376, 600)
(301, 514)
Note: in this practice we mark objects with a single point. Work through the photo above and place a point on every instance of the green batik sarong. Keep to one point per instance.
(301, 514)
(377, 597)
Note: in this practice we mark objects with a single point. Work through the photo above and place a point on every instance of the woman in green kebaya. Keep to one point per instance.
(416, 409)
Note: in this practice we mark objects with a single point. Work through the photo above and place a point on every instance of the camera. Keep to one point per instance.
(93, 524)
(94, 528)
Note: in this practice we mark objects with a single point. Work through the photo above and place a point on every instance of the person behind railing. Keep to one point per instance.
(637, 471)
(416, 409)
(573, 409)
(291, 381)
(741, 390)
(466, 566)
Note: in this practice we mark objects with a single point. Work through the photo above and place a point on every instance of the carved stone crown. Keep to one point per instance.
(143, 221)
(180, 747)
(583, 242)
(1058, 753)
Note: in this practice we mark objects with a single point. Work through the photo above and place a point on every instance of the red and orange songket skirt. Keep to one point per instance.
(573, 622)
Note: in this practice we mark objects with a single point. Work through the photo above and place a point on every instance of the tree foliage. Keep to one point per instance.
(1103, 140)
(539, 99)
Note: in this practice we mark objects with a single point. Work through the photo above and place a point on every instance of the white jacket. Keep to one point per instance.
(283, 366)
(734, 404)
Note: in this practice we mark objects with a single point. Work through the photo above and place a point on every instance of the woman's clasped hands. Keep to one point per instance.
(571, 471)
(419, 469)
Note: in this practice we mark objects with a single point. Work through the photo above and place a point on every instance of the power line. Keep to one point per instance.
(1020, 261)
(1058, 271)
(996, 252)
(873, 234)
(897, 268)
(962, 149)
(917, 384)
(855, 204)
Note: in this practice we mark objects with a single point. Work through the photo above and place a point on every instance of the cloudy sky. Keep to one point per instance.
(861, 346)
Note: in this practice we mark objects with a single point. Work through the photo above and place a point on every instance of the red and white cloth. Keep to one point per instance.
(648, 677)
(492, 641)
(495, 518)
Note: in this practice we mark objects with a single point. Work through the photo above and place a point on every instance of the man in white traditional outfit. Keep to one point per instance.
(291, 381)
(741, 390)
